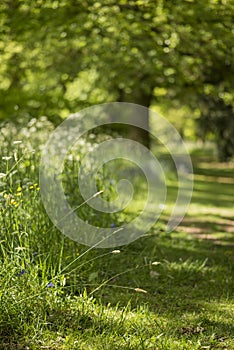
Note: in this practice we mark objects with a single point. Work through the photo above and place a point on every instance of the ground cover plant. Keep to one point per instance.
(163, 291)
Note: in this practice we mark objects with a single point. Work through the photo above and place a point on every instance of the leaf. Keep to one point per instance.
(139, 290)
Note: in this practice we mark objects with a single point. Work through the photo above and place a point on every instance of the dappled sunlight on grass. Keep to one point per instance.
(163, 291)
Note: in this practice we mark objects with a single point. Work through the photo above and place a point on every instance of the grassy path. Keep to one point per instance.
(173, 291)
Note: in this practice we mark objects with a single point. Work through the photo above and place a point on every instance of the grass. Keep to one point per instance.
(163, 291)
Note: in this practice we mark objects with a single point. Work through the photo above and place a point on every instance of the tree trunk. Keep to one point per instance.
(141, 135)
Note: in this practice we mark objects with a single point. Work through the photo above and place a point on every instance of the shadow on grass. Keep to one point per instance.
(185, 280)
(195, 265)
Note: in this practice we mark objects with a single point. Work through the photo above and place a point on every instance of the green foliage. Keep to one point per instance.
(58, 56)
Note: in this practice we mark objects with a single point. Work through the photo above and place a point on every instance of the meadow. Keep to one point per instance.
(162, 292)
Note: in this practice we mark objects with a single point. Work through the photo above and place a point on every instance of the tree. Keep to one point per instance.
(184, 48)
(61, 56)
(218, 118)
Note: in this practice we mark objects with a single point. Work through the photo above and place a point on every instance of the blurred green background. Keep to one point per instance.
(175, 57)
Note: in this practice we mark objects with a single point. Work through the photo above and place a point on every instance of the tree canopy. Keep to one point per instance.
(58, 56)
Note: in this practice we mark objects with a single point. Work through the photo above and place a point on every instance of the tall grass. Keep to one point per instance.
(37, 262)
(48, 283)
